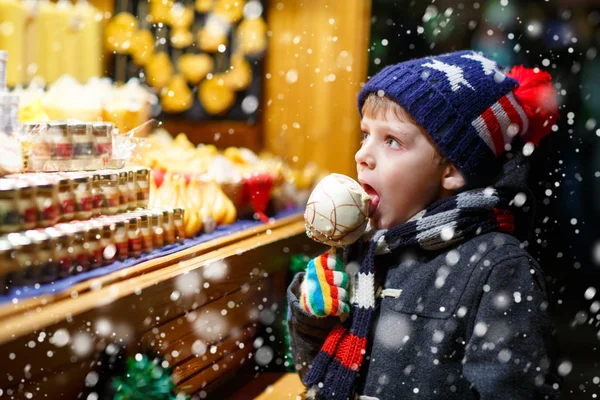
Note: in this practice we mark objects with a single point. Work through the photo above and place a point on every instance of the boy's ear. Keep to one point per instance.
(452, 179)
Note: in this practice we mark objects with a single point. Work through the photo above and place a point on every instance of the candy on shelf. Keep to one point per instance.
(44, 255)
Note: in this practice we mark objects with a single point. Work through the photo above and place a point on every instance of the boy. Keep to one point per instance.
(444, 301)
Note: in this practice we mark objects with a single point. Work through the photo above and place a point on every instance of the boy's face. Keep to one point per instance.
(398, 167)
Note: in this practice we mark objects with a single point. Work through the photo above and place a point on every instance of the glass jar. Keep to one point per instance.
(47, 202)
(42, 144)
(134, 237)
(108, 243)
(168, 226)
(82, 190)
(81, 255)
(10, 218)
(26, 259)
(142, 180)
(98, 197)
(123, 192)
(102, 134)
(110, 189)
(28, 208)
(83, 143)
(122, 239)
(66, 200)
(8, 265)
(62, 251)
(146, 232)
(178, 223)
(158, 238)
(46, 271)
(95, 245)
(61, 139)
(132, 189)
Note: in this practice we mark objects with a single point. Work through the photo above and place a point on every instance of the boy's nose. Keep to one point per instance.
(364, 158)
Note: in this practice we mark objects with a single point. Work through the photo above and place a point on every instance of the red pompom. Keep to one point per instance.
(538, 98)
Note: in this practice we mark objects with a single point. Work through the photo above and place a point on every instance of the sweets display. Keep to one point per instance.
(99, 99)
(39, 256)
(37, 200)
(213, 51)
(337, 211)
(205, 203)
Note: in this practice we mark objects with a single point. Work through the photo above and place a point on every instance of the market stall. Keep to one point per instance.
(151, 196)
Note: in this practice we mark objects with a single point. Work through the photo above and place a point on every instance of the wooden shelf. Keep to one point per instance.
(213, 292)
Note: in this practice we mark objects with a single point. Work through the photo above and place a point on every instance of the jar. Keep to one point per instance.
(102, 134)
(46, 271)
(95, 245)
(142, 180)
(28, 208)
(62, 251)
(157, 230)
(83, 144)
(178, 223)
(110, 189)
(47, 202)
(9, 265)
(82, 190)
(168, 226)
(66, 200)
(134, 237)
(10, 217)
(61, 139)
(26, 259)
(107, 243)
(123, 192)
(132, 190)
(146, 232)
(98, 197)
(81, 255)
(122, 239)
(37, 134)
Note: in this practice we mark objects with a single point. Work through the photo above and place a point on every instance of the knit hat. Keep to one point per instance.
(469, 107)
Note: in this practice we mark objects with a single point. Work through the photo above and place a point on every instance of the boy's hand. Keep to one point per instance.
(324, 289)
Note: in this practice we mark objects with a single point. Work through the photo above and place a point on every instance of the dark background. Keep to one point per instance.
(561, 38)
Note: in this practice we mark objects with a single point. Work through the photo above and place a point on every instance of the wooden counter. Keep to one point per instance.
(200, 308)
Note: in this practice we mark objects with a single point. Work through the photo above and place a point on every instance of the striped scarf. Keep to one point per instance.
(445, 223)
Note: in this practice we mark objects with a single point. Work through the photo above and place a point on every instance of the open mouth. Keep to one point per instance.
(373, 198)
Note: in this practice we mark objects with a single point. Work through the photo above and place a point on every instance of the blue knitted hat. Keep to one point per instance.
(469, 107)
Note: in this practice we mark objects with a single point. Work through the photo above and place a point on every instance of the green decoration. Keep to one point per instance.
(145, 379)
(299, 263)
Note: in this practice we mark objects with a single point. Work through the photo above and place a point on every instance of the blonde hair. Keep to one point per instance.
(377, 107)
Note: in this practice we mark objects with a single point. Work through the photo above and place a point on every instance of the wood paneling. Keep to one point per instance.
(316, 63)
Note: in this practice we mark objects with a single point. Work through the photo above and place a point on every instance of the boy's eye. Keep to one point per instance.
(393, 142)
(365, 136)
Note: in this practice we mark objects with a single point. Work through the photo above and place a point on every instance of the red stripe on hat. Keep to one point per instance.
(495, 131)
(333, 339)
(351, 351)
(512, 113)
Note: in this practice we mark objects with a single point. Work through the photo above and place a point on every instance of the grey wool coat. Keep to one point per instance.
(467, 322)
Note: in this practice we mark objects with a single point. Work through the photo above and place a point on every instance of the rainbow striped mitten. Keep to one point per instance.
(324, 289)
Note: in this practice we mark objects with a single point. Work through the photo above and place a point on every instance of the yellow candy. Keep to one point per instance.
(195, 67)
(252, 35)
(176, 97)
(231, 10)
(142, 47)
(159, 70)
(119, 32)
(215, 96)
